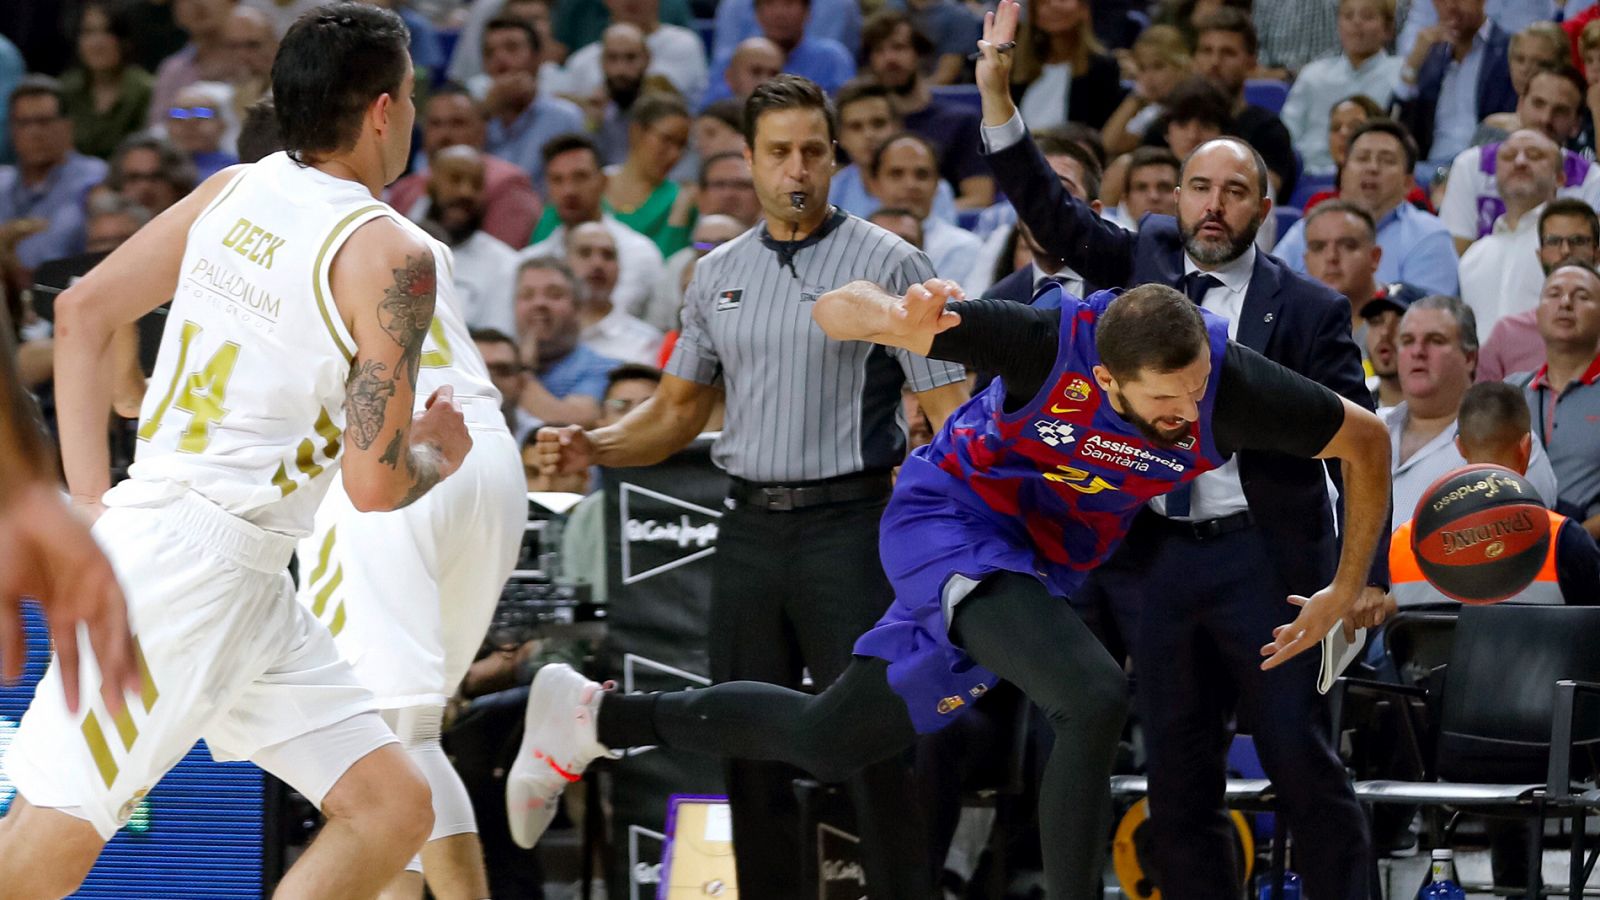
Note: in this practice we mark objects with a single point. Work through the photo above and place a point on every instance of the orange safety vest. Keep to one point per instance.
(1410, 588)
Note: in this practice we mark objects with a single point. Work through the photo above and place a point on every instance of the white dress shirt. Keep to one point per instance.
(1319, 87)
(951, 249)
(1438, 456)
(638, 260)
(1501, 274)
(1219, 492)
(623, 337)
(486, 279)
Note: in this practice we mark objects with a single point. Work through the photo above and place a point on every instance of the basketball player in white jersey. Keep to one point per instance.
(409, 594)
(299, 311)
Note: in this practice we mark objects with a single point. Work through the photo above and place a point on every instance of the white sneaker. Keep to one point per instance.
(558, 743)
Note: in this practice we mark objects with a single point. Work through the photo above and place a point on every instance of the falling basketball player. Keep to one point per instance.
(300, 306)
(1099, 407)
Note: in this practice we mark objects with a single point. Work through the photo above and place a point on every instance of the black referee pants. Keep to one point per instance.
(791, 591)
(1011, 626)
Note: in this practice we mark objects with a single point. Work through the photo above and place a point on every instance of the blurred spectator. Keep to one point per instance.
(1377, 177)
(452, 118)
(1347, 115)
(503, 358)
(1587, 49)
(156, 34)
(50, 180)
(1564, 394)
(1225, 52)
(623, 59)
(1295, 34)
(867, 118)
(520, 121)
(1501, 274)
(903, 223)
(204, 58)
(579, 23)
(710, 232)
(1380, 338)
(1541, 45)
(12, 70)
(905, 174)
(258, 132)
(1511, 16)
(1151, 185)
(606, 329)
(1568, 232)
(755, 60)
(953, 30)
(1438, 349)
(835, 20)
(638, 193)
(726, 189)
(674, 52)
(583, 540)
(282, 13)
(467, 58)
(1455, 76)
(1061, 71)
(1182, 14)
(576, 188)
(567, 379)
(485, 268)
(891, 52)
(1197, 111)
(783, 22)
(151, 172)
(252, 44)
(1472, 198)
(107, 94)
(201, 124)
(718, 128)
(1162, 60)
(111, 220)
(1363, 67)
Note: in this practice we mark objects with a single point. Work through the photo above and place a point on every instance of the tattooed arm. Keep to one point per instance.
(383, 283)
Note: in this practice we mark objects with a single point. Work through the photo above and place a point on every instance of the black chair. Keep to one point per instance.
(1499, 747)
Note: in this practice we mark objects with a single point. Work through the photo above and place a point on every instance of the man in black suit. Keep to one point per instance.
(1079, 172)
(1210, 568)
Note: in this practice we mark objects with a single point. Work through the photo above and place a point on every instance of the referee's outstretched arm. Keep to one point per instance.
(863, 311)
(656, 429)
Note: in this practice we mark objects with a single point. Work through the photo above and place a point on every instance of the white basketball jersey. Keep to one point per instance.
(246, 403)
(449, 355)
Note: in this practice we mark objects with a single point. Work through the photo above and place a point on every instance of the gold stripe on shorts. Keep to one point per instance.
(147, 682)
(99, 749)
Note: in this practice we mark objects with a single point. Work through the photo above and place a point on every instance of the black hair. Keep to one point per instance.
(259, 135)
(1233, 21)
(883, 149)
(713, 159)
(512, 23)
(1492, 413)
(566, 143)
(1570, 206)
(333, 63)
(1392, 128)
(786, 92)
(1151, 327)
(1347, 208)
(1057, 144)
(38, 86)
(632, 372)
(1144, 157)
(1197, 99)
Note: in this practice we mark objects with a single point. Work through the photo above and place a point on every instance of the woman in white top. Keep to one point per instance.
(1061, 72)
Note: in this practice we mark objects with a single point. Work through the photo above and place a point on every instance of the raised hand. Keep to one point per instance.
(994, 65)
(923, 310)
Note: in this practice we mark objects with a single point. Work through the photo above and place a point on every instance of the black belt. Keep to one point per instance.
(1210, 528)
(788, 497)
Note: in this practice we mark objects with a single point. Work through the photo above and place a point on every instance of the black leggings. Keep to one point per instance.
(1012, 627)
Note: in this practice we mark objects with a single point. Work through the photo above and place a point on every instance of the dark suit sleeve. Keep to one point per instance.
(1577, 565)
(1065, 227)
(1334, 361)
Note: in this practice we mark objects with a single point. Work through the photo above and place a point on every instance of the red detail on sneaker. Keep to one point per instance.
(563, 772)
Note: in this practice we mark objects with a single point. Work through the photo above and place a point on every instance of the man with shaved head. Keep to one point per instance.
(673, 52)
(485, 272)
(755, 60)
(783, 25)
(624, 59)
(1501, 274)
(1226, 553)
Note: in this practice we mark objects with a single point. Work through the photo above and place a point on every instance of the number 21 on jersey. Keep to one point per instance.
(200, 393)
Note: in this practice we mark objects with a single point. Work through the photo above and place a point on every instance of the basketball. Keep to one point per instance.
(1480, 533)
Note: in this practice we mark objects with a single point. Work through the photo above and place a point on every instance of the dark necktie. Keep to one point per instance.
(1195, 285)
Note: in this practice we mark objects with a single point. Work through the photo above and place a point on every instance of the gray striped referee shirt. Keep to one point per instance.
(802, 406)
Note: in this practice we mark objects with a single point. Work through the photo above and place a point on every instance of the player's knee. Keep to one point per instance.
(409, 813)
(1096, 698)
(385, 794)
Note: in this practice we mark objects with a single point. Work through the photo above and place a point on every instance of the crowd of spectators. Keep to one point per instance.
(1434, 161)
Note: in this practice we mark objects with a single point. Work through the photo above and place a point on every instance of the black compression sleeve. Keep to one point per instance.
(1264, 406)
(1018, 342)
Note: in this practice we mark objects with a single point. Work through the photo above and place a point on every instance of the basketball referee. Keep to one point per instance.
(814, 427)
